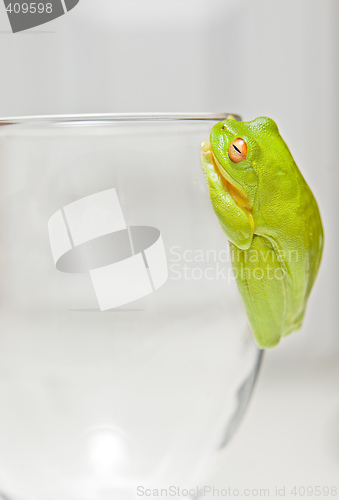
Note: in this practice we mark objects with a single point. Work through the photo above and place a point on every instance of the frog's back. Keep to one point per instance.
(296, 234)
(303, 266)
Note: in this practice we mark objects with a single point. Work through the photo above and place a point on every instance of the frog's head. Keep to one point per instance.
(242, 151)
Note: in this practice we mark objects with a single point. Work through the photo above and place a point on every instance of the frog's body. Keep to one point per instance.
(271, 219)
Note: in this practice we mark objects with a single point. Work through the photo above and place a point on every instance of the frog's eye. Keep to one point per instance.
(237, 150)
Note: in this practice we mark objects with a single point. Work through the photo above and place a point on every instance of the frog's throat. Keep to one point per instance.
(239, 196)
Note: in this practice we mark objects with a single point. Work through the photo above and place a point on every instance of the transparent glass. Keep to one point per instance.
(126, 360)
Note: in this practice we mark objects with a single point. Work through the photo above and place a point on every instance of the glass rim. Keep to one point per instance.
(107, 118)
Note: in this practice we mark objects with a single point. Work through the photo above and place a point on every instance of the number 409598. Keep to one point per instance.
(31, 8)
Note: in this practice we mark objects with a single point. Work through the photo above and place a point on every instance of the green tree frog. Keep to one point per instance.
(271, 219)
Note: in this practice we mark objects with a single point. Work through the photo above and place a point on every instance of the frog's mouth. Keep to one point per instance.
(230, 184)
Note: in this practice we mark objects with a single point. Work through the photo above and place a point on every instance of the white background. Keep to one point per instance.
(253, 57)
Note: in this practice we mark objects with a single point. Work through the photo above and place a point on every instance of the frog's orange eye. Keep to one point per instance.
(237, 150)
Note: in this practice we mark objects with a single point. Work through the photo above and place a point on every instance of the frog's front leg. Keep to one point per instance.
(236, 224)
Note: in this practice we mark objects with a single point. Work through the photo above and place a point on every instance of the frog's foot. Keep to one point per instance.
(206, 147)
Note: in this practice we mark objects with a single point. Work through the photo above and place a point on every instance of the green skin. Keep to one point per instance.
(272, 221)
